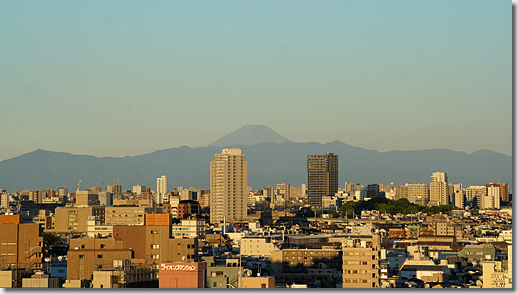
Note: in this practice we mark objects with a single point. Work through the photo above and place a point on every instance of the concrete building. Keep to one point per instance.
(257, 282)
(189, 228)
(138, 189)
(417, 193)
(262, 246)
(116, 190)
(40, 280)
(373, 190)
(124, 215)
(283, 191)
(87, 255)
(74, 219)
(504, 190)
(322, 177)
(87, 198)
(154, 244)
(496, 275)
(94, 228)
(478, 253)
(105, 198)
(491, 197)
(361, 263)
(63, 195)
(474, 195)
(228, 185)
(460, 198)
(438, 193)
(439, 189)
(161, 189)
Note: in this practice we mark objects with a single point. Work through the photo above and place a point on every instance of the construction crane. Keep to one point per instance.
(105, 188)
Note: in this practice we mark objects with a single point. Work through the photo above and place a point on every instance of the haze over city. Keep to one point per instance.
(125, 78)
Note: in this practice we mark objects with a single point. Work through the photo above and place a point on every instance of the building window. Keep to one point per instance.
(83, 246)
(155, 246)
(103, 246)
(81, 256)
(100, 256)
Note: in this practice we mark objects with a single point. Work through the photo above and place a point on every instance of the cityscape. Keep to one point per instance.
(317, 235)
(290, 144)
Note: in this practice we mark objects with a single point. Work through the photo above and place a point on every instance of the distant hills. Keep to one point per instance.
(269, 163)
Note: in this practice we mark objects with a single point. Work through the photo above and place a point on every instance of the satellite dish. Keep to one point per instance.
(183, 258)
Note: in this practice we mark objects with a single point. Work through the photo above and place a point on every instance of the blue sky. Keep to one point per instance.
(117, 78)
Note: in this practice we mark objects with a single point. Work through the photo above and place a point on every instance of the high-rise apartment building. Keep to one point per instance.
(322, 177)
(491, 197)
(228, 185)
(418, 193)
(63, 194)
(161, 189)
(283, 191)
(474, 195)
(138, 189)
(361, 263)
(459, 198)
(373, 190)
(504, 190)
(439, 189)
(439, 177)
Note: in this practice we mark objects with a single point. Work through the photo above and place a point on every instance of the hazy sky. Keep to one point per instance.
(117, 78)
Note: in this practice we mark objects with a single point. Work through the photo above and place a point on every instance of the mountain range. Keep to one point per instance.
(272, 159)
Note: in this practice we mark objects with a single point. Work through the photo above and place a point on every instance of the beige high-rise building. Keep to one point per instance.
(361, 263)
(283, 191)
(439, 189)
(228, 185)
(474, 195)
(491, 198)
(418, 193)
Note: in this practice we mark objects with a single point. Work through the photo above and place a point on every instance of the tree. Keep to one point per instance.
(334, 213)
(52, 239)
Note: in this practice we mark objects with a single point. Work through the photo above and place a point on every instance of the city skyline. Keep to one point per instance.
(84, 78)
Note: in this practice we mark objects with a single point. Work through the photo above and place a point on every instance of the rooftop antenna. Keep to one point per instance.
(78, 185)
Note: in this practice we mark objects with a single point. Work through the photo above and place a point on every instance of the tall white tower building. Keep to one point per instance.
(228, 185)
(161, 189)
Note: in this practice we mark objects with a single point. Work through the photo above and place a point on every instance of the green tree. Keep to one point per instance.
(52, 239)
(334, 213)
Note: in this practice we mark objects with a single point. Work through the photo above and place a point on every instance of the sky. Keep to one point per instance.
(123, 78)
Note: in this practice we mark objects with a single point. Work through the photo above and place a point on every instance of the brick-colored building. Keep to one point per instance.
(186, 208)
(397, 233)
(20, 243)
(157, 219)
